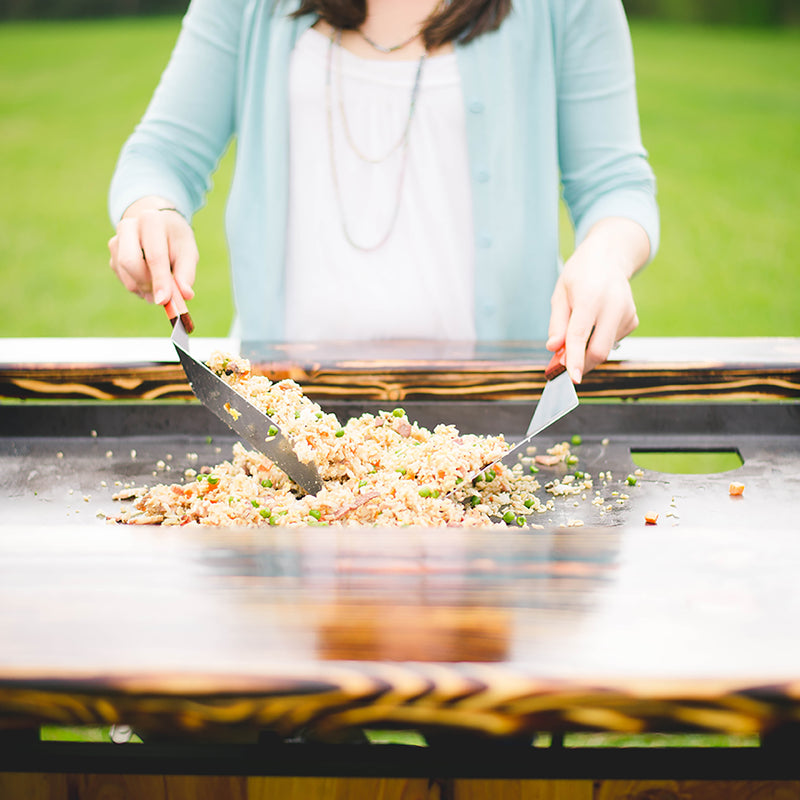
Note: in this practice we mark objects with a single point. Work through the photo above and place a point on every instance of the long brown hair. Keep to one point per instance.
(458, 19)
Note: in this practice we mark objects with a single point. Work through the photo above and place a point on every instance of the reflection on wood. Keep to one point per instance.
(188, 787)
(341, 789)
(399, 372)
(522, 790)
(19, 786)
(413, 633)
(698, 790)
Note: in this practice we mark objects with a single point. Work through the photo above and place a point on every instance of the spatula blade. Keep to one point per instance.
(250, 423)
(558, 399)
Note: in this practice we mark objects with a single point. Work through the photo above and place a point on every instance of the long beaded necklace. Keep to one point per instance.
(402, 142)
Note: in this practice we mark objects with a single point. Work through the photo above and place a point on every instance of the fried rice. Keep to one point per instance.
(377, 469)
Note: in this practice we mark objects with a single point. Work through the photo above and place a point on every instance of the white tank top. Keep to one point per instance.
(419, 284)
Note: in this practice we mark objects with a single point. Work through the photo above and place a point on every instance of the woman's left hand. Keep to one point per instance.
(592, 305)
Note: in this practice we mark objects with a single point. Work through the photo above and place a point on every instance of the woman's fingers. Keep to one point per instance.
(153, 233)
(184, 260)
(600, 343)
(113, 262)
(579, 331)
(559, 317)
(154, 254)
(129, 263)
(591, 309)
(615, 319)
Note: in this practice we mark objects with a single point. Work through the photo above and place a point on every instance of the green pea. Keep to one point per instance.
(398, 412)
(255, 503)
(426, 492)
(316, 513)
(631, 480)
(266, 483)
(339, 433)
(264, 513)
(273, 431)
(509, 517)
(576, 439)
(213, 480)
(533, 469)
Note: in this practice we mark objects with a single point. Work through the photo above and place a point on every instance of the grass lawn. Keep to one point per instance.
(54, 733)
(70, 93)
(720, 113)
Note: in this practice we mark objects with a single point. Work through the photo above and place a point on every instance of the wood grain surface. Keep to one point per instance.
(401, 371)
(616, 625)
(500, 634)
(185, 787)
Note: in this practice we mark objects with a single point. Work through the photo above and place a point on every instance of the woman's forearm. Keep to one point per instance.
(592, 306)
(618, 241)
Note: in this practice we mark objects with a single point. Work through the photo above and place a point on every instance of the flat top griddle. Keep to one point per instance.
(614, 625)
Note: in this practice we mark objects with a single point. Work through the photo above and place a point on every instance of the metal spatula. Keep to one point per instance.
(558, 399)
(250, 423)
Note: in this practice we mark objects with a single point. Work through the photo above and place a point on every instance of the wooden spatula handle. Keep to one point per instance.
(188, 323)
(556, 365)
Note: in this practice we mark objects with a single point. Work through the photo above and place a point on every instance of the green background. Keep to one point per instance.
(720, 113)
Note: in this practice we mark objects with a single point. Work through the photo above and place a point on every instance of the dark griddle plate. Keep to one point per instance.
(61, 463)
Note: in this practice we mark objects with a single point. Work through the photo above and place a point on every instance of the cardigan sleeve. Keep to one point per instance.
(604, 167)
(190, 119)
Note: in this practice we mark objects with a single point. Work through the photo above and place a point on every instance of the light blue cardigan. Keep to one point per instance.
(550, 95)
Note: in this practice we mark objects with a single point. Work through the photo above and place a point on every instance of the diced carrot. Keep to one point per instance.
(735, 489)
(651, 518)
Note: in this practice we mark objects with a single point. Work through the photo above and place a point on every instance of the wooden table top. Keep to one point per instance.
(625, 629)
(686, 625)
(642, 367)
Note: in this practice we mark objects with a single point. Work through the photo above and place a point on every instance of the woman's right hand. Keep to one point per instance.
(154, 253)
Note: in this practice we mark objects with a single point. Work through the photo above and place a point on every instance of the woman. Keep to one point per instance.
(398, 167)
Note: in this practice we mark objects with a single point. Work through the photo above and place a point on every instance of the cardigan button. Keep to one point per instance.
(476, 107)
